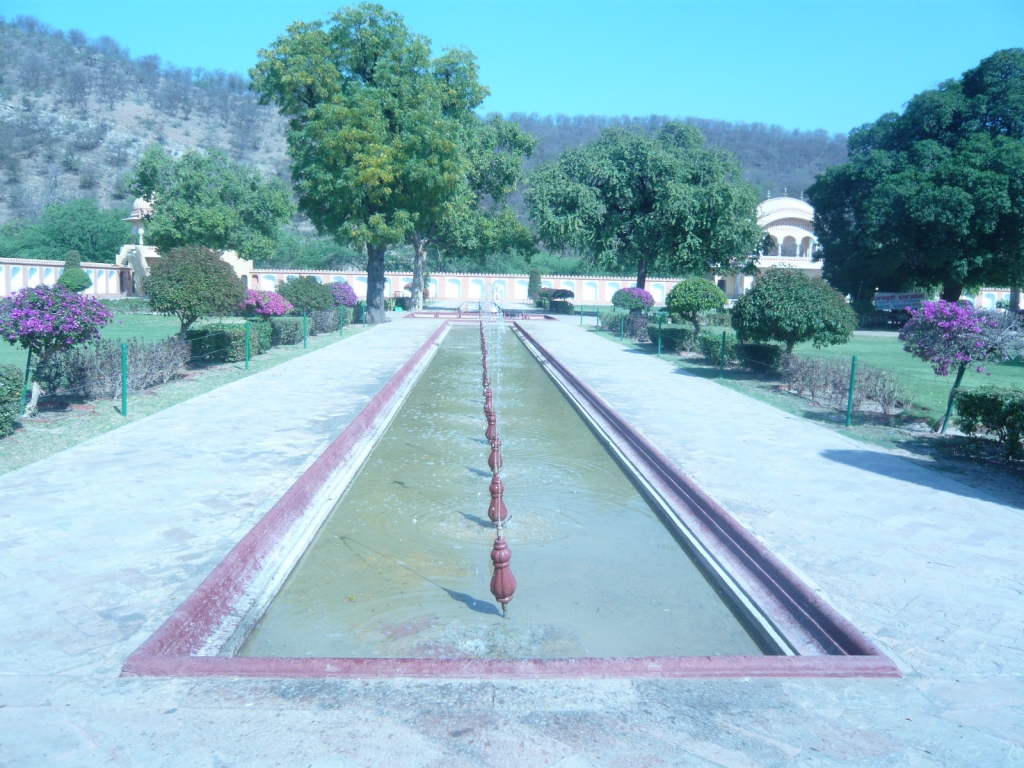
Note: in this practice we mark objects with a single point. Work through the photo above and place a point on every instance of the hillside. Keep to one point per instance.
(75, 115)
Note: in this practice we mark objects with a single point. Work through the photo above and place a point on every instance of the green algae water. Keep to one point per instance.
(402, 568)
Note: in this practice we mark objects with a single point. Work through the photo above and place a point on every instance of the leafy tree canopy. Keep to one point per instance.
(74, 277)
(307, 294)
(933, 195)
(637, 202)
(207, 200)
(788, 306)
(77, 225)
(374, 127)
(192, 282)
(692, 296)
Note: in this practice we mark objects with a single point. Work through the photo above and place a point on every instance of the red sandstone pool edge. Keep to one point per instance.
(171, 650)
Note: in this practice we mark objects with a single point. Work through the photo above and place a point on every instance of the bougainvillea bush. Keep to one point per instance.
(952, 336)
(632, 299)
(50, 319)
(344, 295)
(265, 304)
(948, 335)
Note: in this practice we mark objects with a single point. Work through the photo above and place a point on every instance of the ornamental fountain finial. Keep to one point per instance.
(503, 583)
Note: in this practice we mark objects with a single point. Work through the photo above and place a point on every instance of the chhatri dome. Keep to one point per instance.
(142, 209)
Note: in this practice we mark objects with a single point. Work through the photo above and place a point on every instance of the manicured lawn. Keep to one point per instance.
(884, 350)
(149, 327)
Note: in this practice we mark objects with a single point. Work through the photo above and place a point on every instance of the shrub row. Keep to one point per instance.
(992, 411)
(827, 382)
(225, 342)
(11, 382)
(128, 306)
(95, 370)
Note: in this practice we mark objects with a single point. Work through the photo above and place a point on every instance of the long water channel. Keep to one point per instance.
(401, 567)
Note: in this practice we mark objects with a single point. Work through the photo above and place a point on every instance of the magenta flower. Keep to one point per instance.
(265, 304)
(344, 295)
(48, 319)
(633, 299)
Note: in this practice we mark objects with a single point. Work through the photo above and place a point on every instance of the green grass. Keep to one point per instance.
(884, 350)
(39, 438)
(149, 327)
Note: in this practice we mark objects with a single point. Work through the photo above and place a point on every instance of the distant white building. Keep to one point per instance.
(790, 222)
(140, 257)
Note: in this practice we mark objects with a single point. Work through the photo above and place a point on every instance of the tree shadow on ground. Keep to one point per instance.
(919, 472)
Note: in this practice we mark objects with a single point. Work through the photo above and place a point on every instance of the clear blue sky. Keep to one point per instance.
(797, 63)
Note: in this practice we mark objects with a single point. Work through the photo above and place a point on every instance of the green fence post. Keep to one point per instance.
(341, 321)
(247, 345)
(721, 359)
(853, 383)
(659, 334)
(24, 389)
(363, 310)
(599, 318)
(581, 315)
(124, 379)
(305, 334)
(622, 328)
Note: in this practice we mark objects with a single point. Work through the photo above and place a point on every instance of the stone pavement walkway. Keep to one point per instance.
(98, 544)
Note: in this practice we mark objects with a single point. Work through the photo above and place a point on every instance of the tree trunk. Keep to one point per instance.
(952, 291)
(33, 404)
(419, 268)
(641, 273)
(375, 283)
(696, 323)
(952, 398)
(1015, 299)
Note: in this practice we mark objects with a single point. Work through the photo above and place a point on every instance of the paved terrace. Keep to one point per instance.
(98, 545)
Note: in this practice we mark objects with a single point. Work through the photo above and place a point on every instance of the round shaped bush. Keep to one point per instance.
(344, 294)
(692, 296)
(632, 299)
(48, 319)
(74, 277)
(307, 294)
(788, 306)
(265, 304)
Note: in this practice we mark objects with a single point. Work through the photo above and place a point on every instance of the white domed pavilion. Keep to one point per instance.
(790, 222)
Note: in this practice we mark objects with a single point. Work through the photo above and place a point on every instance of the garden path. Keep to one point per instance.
(101, 542)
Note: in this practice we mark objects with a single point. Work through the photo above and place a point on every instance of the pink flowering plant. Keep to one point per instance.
(633, 299)
(265, 304)
(50, 319)
(344, 295)
(952, 336)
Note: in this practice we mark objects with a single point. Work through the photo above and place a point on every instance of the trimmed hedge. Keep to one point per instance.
(710, 347)
(225, 342)
(761, 358)
(562, 307)
(11, 382)
(673, 337)
(323, 321)
(286, 330)
(999, 412)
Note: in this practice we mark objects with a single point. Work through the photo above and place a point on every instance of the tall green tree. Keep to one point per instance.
(205, 199)
(477, 222)
(77, 225)
(638, 202)
(933, 195)
(374, 127)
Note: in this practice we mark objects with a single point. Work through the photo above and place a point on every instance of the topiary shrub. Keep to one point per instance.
(612, 321)
(789, 307)
(73, 277)
(11, 381)
(761, 358)
(710, 347)
(693, 296)
(632, 299)
(563, 308)
(191, 283)
(534, 285)
(286, 330)
(307, 294)
(998, 412)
